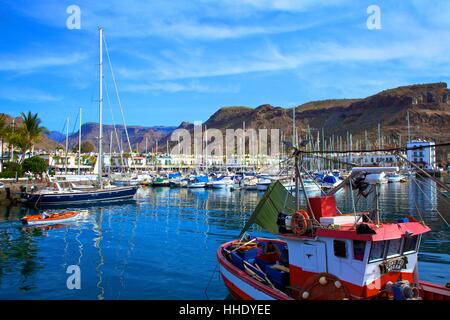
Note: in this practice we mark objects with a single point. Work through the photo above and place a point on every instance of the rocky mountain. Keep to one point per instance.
(428, 106)
(56, 136)
(137, 134)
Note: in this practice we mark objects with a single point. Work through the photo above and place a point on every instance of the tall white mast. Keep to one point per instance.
(293, 126)
(146, 145)
(79, 145)
(100, 102)
(409, 127)
(67, 145)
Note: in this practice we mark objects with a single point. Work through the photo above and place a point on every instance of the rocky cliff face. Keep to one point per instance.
(428, 106)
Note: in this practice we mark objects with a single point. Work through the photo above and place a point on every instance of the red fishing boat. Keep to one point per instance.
(321, 254)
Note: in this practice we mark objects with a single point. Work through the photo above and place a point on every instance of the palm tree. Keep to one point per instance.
(29, 133)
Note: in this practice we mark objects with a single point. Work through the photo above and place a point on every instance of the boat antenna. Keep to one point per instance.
(297, 153)
(79, 144)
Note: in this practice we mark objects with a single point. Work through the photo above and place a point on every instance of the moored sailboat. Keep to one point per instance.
(59, 196)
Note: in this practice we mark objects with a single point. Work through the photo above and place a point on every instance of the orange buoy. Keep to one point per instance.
(300, 222)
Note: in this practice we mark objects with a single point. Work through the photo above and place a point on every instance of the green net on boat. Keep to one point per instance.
(277, 199)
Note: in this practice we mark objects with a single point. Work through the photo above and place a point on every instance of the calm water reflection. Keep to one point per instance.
(163, 245)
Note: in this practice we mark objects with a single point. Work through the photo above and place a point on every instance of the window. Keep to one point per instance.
(358, 249)
(340, 249)
(377, 251)
(394, 247)
(410, 244)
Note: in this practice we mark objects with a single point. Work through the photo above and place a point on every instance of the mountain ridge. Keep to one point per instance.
(428, 106)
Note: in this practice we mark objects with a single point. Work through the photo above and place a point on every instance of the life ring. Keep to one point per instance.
(300, 222)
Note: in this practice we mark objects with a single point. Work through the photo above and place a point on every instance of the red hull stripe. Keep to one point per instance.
(300, 277)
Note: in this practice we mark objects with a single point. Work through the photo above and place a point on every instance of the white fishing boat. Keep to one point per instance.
(249, 183)
(376, 178)
(376, 175)
(395, 177)
(225, 182)
(263, 184)
(310, 185)
(198, 182)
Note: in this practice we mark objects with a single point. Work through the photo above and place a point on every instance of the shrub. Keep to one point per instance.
(35, 165)
(10, 169)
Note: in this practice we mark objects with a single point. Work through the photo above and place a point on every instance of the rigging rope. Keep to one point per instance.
(118, 98)
(439, 213)
(114, 124)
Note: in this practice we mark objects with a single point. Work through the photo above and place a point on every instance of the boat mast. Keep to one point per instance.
(409, 127)
(293, 126)
(100, 102)
(79, 146)
(67, 145)
(146, 148)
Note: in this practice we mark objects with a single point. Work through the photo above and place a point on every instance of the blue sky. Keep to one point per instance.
(182, 60)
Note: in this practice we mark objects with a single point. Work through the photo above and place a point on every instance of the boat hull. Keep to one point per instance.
(90, 197)
(197, 185)
(262, 186)
(220, 186)
(37, 221)
(241, 286)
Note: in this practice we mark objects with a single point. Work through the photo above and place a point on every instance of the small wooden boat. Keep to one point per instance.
(50, 218)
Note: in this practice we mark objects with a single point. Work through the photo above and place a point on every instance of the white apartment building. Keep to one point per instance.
(424, 158)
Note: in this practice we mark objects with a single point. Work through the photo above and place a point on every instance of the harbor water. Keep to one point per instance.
(163, 244)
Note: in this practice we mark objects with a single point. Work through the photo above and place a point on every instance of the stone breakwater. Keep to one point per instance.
(10, 193)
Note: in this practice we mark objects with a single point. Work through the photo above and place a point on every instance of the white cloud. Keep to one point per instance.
(175, 87)
(418, 52)
(288, 5)
(32, 95)
(30, 63)
(204, 20)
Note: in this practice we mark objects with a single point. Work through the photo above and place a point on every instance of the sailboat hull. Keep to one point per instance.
(89, 197)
